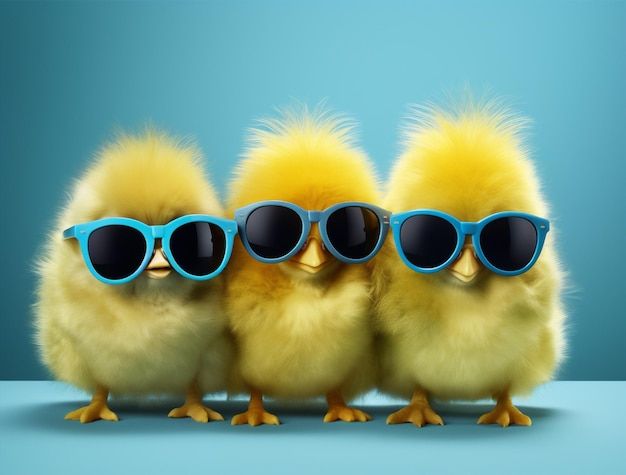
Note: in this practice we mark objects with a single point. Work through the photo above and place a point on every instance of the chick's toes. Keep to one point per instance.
(505, 414)
(197, 411)
(417, 414)
(346, 414)
(255, 417)
(94, 411)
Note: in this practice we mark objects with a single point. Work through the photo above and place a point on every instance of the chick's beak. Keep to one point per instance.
(312, 258)
(466, 267)
(158, 268)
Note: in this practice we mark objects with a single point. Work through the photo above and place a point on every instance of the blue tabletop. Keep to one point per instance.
(578, 427)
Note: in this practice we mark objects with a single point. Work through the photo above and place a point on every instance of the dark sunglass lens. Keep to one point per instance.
(428, 241)
(353, 231)
(273, 231)
(116, 251)
(509, 243)
(198, 248)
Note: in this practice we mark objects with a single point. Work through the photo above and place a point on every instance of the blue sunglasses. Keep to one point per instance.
(274, 231)
(507, 243)
(117, 250)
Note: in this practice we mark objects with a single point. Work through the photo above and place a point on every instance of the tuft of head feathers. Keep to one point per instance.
(470, 162)
(150, 177)
(305, 157)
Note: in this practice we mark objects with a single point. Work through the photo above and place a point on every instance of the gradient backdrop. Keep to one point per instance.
(73, 73)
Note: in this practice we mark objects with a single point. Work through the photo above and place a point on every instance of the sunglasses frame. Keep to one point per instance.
(473, 229)
(308, 217)
(81, 233)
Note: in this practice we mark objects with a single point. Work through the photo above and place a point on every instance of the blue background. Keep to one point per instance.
(567, 436)
(73, 73)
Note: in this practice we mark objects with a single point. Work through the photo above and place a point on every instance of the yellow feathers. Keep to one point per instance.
(305, 327)
(146, 336)
(301, 337)
(306, 158)
(152, 178)
(498, 334)
(469, 163)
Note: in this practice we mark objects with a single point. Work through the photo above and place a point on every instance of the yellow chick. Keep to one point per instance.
(466, 332)
(302, 327)
(158, 334)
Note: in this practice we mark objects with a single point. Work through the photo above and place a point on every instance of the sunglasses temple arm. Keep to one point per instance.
(69, 233)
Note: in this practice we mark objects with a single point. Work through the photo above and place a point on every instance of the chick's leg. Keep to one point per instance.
(194, 407)
(418, 412)
(97, 409)
(256, 414)
(505, 413)
(339, 411)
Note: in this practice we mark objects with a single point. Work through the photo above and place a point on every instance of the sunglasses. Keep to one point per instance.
(274, 231)
(117, 250)
(507, 243)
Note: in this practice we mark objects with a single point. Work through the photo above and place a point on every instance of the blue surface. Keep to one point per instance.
(73, 72)
(578, 427)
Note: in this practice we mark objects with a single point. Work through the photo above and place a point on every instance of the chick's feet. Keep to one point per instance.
(94, 411)
(505, 414)
(197, 411)
(417, 414)
(255, 416)
(346, 414)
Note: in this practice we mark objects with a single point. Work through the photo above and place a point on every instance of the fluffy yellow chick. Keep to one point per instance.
(158, 334)
(302, 327)
(465, 332)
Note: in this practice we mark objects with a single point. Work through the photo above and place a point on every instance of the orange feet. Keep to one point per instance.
(256, 414)
(339, 411)
(194, 408)
(418, 412)
(197, 411)
(96, 410)
(505, 414)
(255, 417)
(346, 414)
(415, 414)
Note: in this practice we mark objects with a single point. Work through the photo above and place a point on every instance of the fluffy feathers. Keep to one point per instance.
(501, 333)
(301, 338)
(145, 336)
(308, 158)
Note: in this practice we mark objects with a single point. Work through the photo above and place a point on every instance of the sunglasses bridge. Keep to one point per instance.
(314, 216)
(469, 229)
(157, 231)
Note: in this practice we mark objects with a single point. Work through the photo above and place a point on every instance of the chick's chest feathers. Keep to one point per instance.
(463, 343)
(306, 341)
(130, 344)
(256, 299)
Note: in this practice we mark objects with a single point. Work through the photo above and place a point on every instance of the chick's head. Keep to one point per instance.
(151, 178)
(470, 164)
(310, 160)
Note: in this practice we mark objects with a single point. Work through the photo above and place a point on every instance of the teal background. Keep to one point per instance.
(73, 73)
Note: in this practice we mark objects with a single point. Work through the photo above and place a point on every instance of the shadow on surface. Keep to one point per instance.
(151, 418)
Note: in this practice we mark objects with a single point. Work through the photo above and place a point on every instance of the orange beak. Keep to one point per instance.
(158, 268)
(466, 267)
(312, 258)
